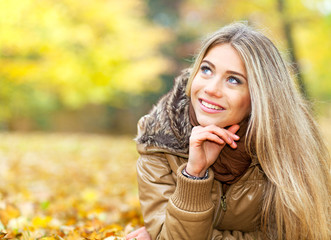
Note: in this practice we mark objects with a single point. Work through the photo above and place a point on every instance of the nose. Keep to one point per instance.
(214, 88)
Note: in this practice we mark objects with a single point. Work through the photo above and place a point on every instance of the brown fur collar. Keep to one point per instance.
(168, 126)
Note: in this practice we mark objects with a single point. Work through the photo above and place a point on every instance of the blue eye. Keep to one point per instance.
(206, 70)
(234, 80)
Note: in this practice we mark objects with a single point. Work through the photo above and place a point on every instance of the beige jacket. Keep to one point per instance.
(175, 207)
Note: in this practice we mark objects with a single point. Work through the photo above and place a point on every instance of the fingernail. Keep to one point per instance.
(236, 136)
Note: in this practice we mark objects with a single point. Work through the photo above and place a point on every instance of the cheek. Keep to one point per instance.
(194, 87)
(243, 104)
(246, 105)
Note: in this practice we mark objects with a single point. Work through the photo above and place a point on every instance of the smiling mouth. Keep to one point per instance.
(210, 106)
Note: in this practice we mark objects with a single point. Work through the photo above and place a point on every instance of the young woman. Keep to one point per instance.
(232, 152)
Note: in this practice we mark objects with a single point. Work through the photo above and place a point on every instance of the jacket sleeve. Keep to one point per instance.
(173, 207)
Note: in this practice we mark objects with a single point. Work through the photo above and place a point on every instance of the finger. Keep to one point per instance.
(231, 131)
(233, 145)
(144, 236)
(198, 139)
(131, 235)
(229, 137)
(224, 134)
(134, 233)
(234, 128)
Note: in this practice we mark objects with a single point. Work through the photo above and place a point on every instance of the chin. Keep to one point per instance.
(205, 123)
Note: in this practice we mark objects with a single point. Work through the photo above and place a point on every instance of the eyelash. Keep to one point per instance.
(238, 80)
(204, 68)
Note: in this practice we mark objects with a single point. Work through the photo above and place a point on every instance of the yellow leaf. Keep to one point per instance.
(41, 222)
(90, 195)
(9, 212)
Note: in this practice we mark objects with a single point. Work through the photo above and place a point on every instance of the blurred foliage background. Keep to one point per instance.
(97, 66)
(71, 67)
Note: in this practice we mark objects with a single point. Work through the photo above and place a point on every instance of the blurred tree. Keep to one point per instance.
(70, 53)
(166, 13)
(288, 29)
(309, 22)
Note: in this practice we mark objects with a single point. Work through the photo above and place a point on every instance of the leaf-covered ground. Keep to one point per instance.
(65, 186)
(62, 186)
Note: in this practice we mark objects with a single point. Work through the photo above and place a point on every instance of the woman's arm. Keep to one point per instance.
(182, 210)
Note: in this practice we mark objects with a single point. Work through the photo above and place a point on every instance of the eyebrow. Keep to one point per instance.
(230, 71)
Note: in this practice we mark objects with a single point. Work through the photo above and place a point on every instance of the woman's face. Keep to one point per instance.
(219, 91)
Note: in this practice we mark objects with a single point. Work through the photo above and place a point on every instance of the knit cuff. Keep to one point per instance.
(193, 195)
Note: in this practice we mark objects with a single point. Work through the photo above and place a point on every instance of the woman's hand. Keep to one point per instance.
(139, 234)
(206, 144)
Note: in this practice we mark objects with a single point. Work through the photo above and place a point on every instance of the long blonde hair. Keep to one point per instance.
(287, 141)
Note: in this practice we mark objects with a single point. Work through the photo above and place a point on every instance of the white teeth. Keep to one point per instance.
(208, 105)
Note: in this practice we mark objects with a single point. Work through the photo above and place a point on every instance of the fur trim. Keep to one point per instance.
(168, 125)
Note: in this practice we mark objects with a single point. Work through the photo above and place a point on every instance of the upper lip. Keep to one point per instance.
(210, 102)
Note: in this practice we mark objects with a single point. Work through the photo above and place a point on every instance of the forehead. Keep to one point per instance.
(225, 57)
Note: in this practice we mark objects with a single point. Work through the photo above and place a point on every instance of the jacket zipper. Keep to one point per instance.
(223, 202)
(217, 212)
(222, 208)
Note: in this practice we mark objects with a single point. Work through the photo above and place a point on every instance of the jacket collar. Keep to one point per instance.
(168, 126)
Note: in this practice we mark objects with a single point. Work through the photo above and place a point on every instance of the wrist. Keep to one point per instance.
(193, 195)
(188, 175)
(194, 171)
